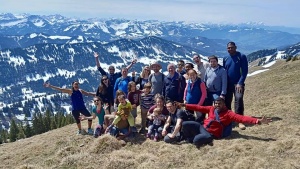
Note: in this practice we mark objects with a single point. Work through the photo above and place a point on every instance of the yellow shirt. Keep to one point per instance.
(126, 108)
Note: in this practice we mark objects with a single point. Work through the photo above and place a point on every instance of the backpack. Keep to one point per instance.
(226, 129)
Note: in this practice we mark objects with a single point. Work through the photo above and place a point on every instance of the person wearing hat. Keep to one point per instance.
(156, 79)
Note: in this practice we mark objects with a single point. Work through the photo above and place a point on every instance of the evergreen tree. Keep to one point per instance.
(13, 134)
(294, 58)
(28, 130)
(21, 133)
(288, 58)
(53, 123)
(47, 120)
(4, 135)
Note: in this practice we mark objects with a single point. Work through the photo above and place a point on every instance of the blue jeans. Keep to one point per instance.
(195, 133)
(211, 96)
(115, 131)
(238, 99)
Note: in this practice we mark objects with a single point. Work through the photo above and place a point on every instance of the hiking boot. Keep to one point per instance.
(90, 131)
(142, 131)
(79, 132)
(242, 126)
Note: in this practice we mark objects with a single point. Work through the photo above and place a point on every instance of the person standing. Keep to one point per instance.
(201, 66)
(156, 79)
(122, 82)
(180, 67)
(215, 80)
(111, 74)
(236, 65)
(77, 102)
(143, 78)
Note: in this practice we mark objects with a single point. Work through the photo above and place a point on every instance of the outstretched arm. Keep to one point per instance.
(64, 90)
(87, 93)
(131, 64)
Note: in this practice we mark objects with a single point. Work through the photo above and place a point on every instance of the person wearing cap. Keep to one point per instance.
(111, 74)
(201, 66)
(236, 65)
(215, 80)
(156, 79)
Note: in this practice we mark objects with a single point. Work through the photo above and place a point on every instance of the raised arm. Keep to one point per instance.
(63, 90)
(96, 55)
(131, 64)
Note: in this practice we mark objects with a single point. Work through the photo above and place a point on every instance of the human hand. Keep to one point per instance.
(106, 106)
(82, 117)
(164, 132)
(47, 84)
(178, 104)
(134, 61)
(171, 135)
(264, 120)
(222, 96)
(133, 106)
(96, 55)
(239, 88)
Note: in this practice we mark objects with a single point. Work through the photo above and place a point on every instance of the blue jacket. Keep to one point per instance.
(193, 94)
(174, 87)
(122, 84)
(237, 68)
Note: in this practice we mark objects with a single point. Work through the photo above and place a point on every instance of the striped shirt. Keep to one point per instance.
(147, 100)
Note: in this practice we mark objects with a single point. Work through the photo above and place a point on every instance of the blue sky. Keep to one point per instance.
(270, 12)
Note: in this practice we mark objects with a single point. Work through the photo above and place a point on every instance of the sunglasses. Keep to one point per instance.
(96, 100)
(104, 79)
(179, 64)
(230, 47)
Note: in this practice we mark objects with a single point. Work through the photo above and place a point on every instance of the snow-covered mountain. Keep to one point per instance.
(249, 37)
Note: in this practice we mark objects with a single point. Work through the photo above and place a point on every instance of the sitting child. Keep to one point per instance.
(124, 111)
(158, 118)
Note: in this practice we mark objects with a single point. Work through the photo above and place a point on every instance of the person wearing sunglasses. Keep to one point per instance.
(180, 67)
(105, 92)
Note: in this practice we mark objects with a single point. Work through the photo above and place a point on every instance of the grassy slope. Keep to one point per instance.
(274, 93)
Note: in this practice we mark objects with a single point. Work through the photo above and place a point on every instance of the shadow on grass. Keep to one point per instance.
(236, 135)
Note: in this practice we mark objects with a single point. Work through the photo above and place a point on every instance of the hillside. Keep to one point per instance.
(274, 93)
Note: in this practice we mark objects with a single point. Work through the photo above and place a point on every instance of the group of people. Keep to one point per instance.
(192, 102)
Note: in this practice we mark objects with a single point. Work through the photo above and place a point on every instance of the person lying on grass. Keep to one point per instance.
(218, 124)
(98, 110)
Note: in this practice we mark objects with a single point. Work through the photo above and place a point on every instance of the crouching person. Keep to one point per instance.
(121, 130)
(99, 111)
(218, 124)
(172, 127)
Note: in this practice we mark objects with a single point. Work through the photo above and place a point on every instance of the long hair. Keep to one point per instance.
(143, 74)
(102, 87)
(130, 85)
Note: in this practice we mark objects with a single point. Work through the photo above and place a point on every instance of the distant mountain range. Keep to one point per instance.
(35, 49)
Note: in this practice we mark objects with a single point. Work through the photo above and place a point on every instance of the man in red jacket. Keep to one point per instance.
(213, 126)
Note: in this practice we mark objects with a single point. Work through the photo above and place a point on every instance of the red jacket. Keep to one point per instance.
(226, 117)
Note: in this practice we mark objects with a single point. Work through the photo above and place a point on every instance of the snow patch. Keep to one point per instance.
(257, 72)
(269, 64)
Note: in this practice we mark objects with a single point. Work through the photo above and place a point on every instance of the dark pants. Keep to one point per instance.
(177, 138)
(195, 133)
(76, 114)
(211, 96)
(238, 99)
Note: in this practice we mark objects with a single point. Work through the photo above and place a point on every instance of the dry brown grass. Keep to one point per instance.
(274, 93)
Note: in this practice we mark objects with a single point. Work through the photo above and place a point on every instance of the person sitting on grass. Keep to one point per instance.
(124, 112)
(98, 110)
(172, 128)
(217, 123)
(77, 103)
(158, 120)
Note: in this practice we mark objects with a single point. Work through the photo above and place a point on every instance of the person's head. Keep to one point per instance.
(155, 67)
(147, 88)
(97, 100)
(213, 61)
(157, 111)
(124, 72)
(197, 58)
(119, 92)
(131, 86)
(219, 104)
(188, 66)
(75, 85)
(159, 100)
(145, 72)
(111, 69)
(171, 68)
(104, 80)
(192, 74)
(180, 64)
(171, 106)
(231, 48)
(122, 99)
